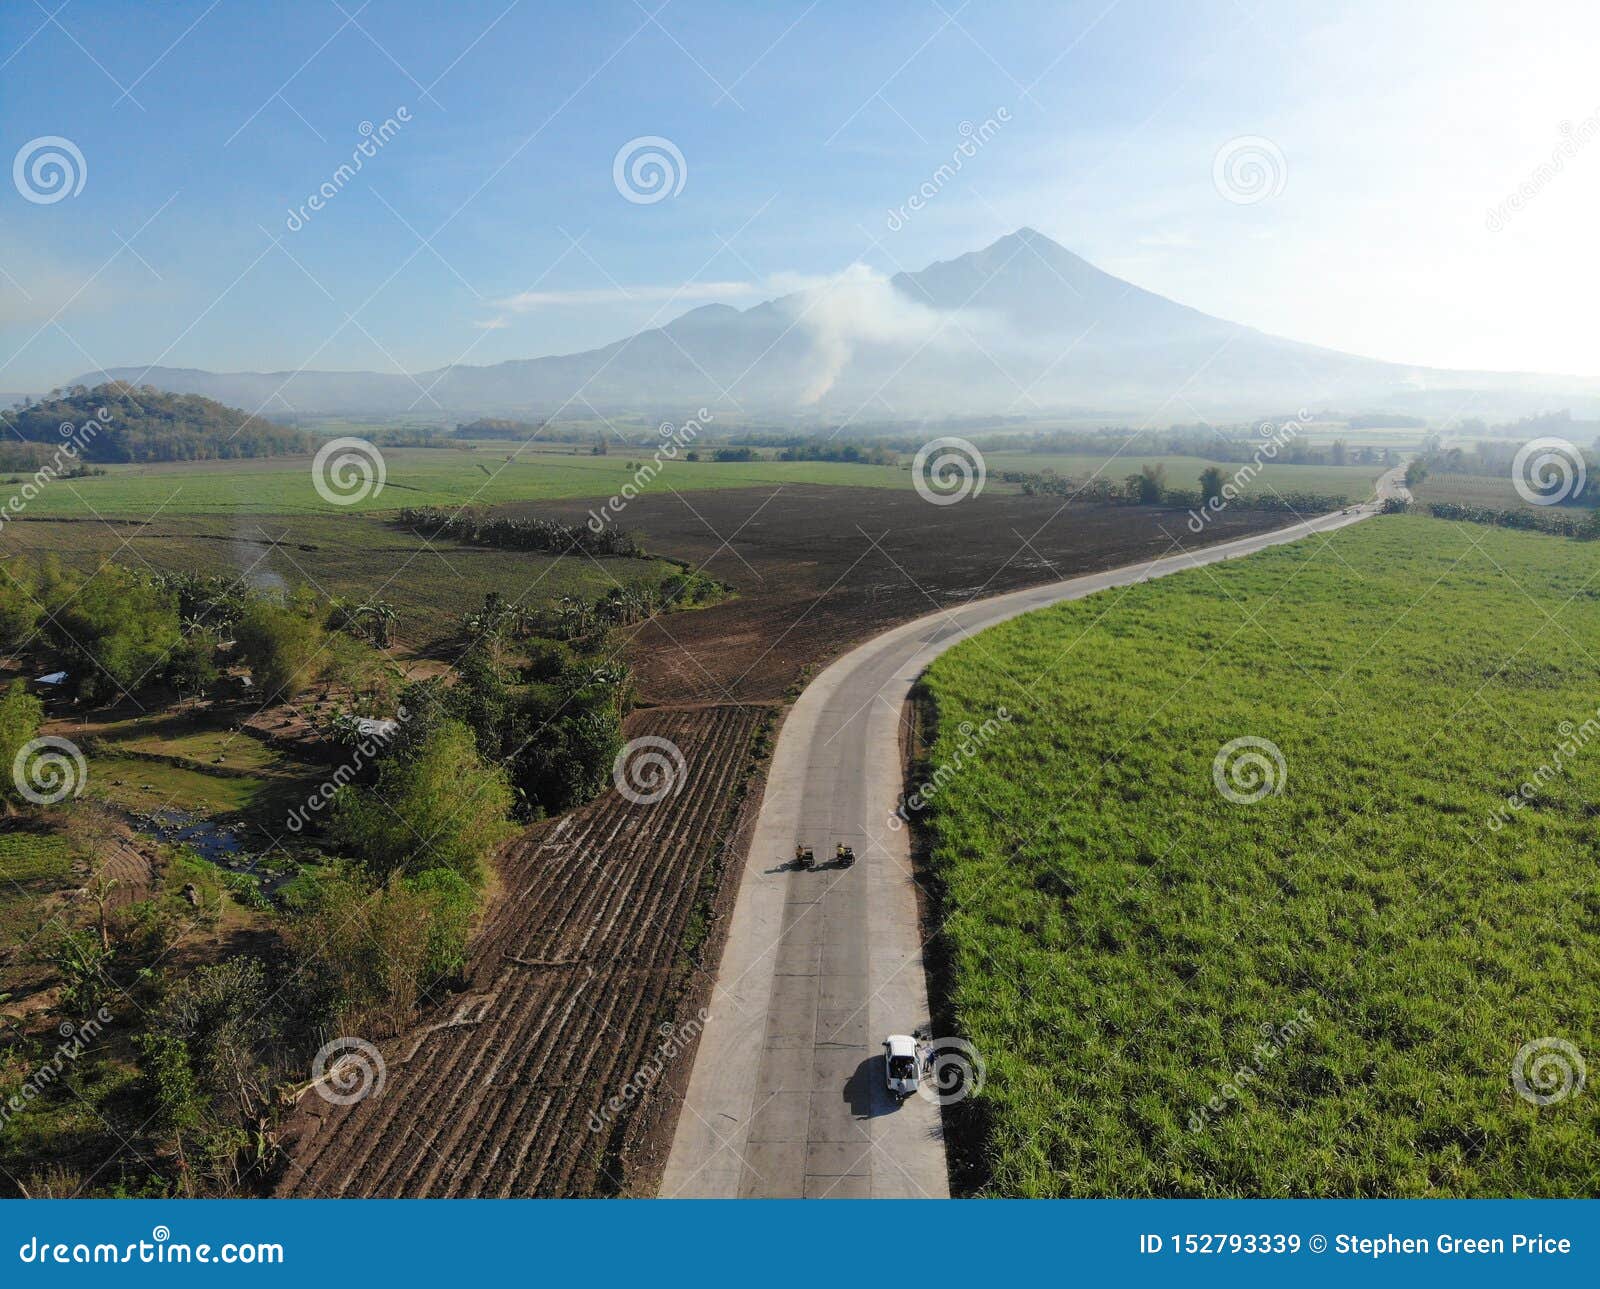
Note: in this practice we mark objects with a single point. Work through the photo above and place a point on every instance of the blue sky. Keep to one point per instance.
(489, 227)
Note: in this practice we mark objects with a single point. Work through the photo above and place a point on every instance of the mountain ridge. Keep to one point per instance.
(1021, 326)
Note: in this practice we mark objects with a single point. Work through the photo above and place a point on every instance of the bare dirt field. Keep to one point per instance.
(818, 569)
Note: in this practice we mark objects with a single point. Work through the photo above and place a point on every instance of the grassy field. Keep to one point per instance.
(416, 477)
(33, 862)
(1492, 492)
(1352, 482)
(283, 486)
(1323, 991)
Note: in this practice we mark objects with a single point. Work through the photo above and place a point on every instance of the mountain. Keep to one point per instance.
(1023, 326)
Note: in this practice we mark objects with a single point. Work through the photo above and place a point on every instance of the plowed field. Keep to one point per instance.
(572, 982)
(818, 570)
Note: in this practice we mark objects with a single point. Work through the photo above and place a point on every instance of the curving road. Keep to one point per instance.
(786, 1098)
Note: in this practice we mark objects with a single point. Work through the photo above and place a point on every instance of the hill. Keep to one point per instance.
(117, 421)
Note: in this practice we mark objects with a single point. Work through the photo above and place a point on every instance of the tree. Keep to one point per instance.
(1210, 483)
(192, 668)
(1148, 486)
(208, 1061)
(19, 605)
(1340, 452)
(442, 806)
(120, 624)
(20, 714)
(368, 952)
(1416, 472)
(280, 643)
(118, 422)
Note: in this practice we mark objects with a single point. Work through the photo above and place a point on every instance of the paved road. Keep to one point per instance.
(786, 1098)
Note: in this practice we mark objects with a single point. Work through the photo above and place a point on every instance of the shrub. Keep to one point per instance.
(439, 806)
(280, 644)
(20, 714)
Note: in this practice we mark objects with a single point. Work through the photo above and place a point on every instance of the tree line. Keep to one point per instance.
(510, 533)
(1149, 488)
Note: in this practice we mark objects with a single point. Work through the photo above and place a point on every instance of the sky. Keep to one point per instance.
(495, 215)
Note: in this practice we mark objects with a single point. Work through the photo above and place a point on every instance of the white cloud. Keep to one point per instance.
(688, 292)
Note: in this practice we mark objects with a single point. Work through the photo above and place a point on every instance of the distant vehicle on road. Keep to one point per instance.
(900, 1065)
